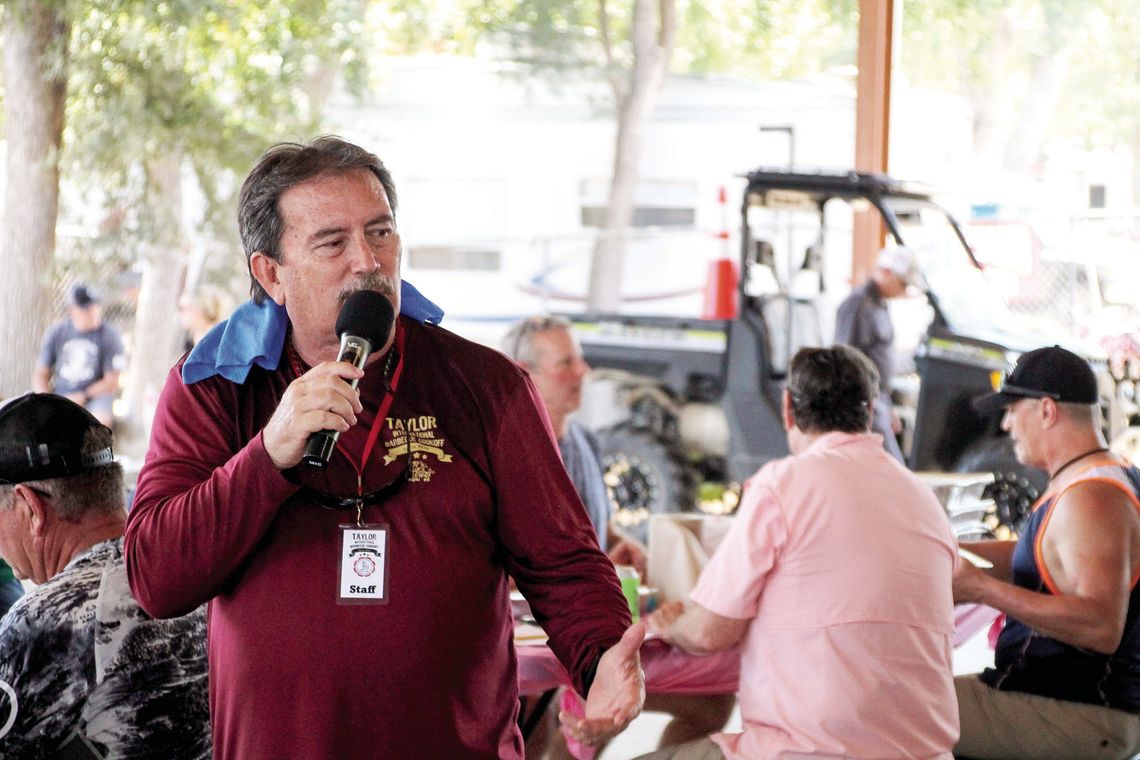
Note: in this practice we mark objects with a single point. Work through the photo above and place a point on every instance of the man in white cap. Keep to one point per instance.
(864, 322)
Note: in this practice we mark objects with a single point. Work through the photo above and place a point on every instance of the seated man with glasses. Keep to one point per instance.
(84, 673)
(547, 348)
(1066, 675)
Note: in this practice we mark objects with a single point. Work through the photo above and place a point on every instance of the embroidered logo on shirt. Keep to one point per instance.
(418, 438)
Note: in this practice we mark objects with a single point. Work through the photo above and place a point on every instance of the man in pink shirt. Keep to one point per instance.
(836, 578)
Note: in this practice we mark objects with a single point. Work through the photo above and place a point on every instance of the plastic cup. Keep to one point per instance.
(630, 581)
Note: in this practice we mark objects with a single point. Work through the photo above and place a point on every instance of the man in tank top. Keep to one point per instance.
(1066, 680)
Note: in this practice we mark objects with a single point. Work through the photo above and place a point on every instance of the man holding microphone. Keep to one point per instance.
(360, 609)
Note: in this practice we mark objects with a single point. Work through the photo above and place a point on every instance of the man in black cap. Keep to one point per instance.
(84, 673)
(82, 356)
(1066, 681)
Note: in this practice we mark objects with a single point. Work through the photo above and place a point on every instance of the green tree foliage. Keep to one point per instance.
(756, 39)
(1102, 105)
(1032, 69)
(767, 39)
(212, 81)
(949, 43)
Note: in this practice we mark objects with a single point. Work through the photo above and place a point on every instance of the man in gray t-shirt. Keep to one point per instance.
(863, 322)
(82, 356)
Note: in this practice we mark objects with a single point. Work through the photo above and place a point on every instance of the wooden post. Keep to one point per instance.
(872, 121)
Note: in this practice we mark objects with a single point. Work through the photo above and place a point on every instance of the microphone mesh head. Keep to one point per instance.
(366, 314)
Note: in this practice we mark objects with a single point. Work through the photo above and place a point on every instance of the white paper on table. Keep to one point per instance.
(529, 635)
(974, 559)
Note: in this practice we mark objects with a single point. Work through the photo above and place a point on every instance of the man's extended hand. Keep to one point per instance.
(968, 581)
(625, 552)
(320, 399)
(617, 694)
(662, 619)
(696, 629)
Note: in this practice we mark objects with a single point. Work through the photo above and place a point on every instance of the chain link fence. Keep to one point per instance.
(1073, 280)
(1075, 285)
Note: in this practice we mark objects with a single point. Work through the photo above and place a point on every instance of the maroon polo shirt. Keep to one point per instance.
(432, 672)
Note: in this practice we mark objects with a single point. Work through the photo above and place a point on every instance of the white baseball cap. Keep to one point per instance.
(900, 260)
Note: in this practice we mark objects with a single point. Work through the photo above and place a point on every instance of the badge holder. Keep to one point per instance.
(363, 575)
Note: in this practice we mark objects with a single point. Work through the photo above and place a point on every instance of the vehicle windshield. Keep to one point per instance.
(971, 300)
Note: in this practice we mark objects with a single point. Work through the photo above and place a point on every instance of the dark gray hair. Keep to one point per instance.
(832, 389)
(282, 167)
(95, 492)
(518, 343)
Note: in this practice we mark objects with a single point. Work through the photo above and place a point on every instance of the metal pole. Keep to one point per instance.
(789, 296)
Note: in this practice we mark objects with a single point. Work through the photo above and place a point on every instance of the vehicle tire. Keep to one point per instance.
(1016, 487)
(644, 476)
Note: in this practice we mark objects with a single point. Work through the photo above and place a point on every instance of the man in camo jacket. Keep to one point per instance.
(84, 673)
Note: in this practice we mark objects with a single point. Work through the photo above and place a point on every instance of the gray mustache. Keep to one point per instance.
(375, 281)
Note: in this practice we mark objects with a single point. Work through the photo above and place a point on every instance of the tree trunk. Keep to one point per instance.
(653, 32)
(991, 100)
(35, 80)
(1050, 70)
(157, 333)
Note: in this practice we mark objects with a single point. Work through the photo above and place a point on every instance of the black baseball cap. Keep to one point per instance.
(41, 437)
(82, 296)
(1050, 372)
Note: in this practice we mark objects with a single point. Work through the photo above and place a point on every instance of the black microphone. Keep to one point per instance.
(364, 323)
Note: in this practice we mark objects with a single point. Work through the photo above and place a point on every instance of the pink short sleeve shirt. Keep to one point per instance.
(842, 561)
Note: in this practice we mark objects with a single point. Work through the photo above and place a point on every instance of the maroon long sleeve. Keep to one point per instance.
(429, 674)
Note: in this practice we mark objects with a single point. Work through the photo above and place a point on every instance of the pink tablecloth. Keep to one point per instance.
(669, 670)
